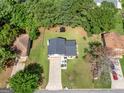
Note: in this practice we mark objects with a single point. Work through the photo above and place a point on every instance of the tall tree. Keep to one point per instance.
(27, 81)
(97, 55)
(5, 56)
(7, 35)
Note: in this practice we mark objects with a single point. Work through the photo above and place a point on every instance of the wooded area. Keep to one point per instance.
(29, 15)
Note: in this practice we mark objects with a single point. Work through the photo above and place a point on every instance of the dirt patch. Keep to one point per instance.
(56, 29)
(67, 28)
(4, 76)
(96, 37)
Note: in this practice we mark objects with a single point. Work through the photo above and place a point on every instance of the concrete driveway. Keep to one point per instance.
(117, 84)
(54, 82)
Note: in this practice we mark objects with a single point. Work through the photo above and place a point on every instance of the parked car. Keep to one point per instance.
(115, 77)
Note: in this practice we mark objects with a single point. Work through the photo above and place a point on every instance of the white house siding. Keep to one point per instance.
(117, 3)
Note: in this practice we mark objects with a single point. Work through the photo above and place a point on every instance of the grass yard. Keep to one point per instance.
(122, 64)
(78, 73)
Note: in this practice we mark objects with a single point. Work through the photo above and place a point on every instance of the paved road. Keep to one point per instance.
(69, 91)
(81, 91)
(54, 82)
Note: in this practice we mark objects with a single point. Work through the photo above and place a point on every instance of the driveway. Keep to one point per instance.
(117, 84)
(16, 68)
(54, 82)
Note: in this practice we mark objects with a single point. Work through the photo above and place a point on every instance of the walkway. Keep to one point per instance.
(18, 67)
(54, 74)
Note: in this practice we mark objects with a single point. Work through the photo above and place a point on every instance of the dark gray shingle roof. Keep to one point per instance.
(70, 48)
(62, 46)
(56, 46)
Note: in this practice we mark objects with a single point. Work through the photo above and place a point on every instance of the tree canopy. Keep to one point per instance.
(5, 55)
(27, 81)
(30, 14)
(7, 35)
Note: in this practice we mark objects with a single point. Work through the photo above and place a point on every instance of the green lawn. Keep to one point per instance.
(78, 73)
(122, 64)
(39, 54)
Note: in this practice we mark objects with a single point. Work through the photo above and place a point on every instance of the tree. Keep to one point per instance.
(5, 56)
(30, 14)
(7, 35)
(5, 8)
(101, 18)
(97, 55)
(27, 80)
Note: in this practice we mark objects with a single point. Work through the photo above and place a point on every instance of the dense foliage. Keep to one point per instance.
(7, 35)
(27, 81)
(30, 14)
(5, 55)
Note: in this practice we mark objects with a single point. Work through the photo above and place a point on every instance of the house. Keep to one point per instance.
(22, 46)
(60, 47)
(114, 44)
(117, 3)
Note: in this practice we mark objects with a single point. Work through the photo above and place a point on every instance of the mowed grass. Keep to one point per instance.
(122, 64)
(77, 74)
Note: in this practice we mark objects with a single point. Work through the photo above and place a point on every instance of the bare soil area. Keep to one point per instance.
(4, 76)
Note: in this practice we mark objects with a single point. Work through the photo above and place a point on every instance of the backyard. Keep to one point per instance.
(77, 74)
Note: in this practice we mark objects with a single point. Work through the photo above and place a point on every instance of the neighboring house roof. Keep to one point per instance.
(62, 46)
(117, 3)
(22, 43)
(113, 40)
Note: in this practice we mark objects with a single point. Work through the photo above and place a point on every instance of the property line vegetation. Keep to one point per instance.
(97, 55)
